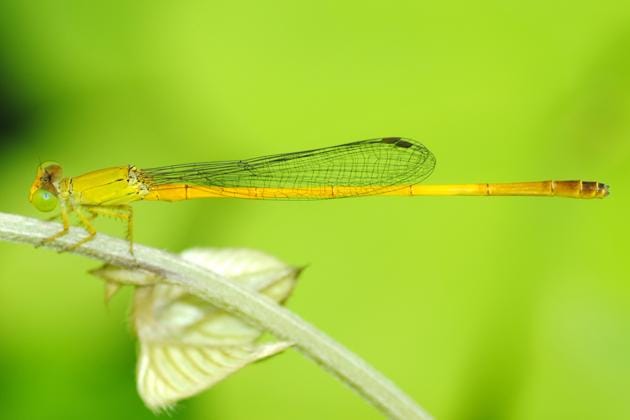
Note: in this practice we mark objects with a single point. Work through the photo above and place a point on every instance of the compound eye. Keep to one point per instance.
(44, 200)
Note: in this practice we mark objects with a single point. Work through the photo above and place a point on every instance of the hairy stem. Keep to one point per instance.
(230, 296)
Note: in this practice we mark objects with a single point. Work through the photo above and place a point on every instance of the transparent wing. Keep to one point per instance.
(376, 164)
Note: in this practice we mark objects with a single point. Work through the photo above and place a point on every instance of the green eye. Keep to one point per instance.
(44, 200)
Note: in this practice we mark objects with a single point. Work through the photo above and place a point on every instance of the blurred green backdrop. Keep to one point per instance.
(503, 308)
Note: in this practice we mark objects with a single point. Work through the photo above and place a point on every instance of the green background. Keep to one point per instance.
(479, 308)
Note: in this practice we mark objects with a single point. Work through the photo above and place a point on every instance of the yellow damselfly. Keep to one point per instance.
(391, 166)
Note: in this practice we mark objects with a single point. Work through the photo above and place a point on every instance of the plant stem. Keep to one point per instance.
(230, 296)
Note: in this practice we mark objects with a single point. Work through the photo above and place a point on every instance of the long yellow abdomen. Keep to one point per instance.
(572, 189)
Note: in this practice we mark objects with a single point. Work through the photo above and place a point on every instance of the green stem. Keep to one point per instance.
(230, 296)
